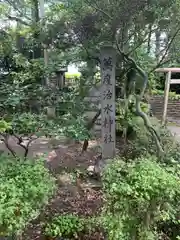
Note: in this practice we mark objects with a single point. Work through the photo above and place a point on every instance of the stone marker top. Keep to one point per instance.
(175, 70)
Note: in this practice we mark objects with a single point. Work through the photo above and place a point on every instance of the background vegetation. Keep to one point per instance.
(37, 40)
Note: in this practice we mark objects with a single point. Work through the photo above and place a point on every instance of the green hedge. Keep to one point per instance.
(25, 187)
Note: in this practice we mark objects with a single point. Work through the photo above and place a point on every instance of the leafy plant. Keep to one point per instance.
(127, 120)
(138, 195)
(65, 226)
(24, 189)
(76, 129)
(4, 126)
(27, 127)
(172, 95)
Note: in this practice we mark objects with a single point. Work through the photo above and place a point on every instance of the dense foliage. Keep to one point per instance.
(24, 189)
(66, 226)
(37, 42)
(139, 195)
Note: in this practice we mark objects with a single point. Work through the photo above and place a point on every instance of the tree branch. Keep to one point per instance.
(89, 56)
(6, 142)
(143, 41)
(149, 38)
(99, 9)
(89, 126)
(25, 147)
(17, 8)
(167, 49)
(139, 111)
(17, 20)
(135, 66)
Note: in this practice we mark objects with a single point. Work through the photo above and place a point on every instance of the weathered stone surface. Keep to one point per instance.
(108, 106)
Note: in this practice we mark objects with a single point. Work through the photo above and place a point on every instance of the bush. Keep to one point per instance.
(32, 126)
(128, 119)
(24, 189)
(67, 226)
(139, 194)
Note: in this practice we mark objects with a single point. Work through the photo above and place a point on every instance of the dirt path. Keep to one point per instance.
(175, 130)
(79, 196)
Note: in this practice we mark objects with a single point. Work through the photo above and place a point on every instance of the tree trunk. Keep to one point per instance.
(35, 18)
(158, 44)
(125, 38)
(149, 39)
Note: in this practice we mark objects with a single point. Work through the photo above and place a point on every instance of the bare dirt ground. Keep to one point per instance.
(81, 196)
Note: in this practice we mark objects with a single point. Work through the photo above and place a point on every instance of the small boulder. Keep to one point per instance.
(91, 170)
(51, 156)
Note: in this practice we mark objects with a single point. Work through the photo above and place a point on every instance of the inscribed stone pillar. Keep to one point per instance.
(108, 65)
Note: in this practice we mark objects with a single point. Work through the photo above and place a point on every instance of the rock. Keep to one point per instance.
(92, 184)
(117, 151)
(39, 154)
(65, 179)
(64, 147)
(94, 172)
(91, 170)
(51, 156)
(25, 143)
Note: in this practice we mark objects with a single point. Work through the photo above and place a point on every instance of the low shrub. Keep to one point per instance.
(139, 194)
(25, 186)
(66, 226)
(126, 119)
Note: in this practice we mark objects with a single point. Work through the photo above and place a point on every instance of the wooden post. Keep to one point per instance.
(51, 111)
(108, 129)
(166, 94)
(61, 80)
(46, 57)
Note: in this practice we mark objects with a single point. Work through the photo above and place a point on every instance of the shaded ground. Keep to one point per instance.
(174, 127)
(175, 130)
